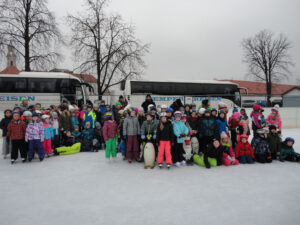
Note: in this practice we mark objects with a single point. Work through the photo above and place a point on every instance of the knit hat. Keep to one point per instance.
(153, 108)
(272, 127)
(163, 114)
(289, 139)
(141, 109)
(24, 99)
(177, 114)
(108, 115)
(45, 117)
(35, 114)
(95, 140)
(183, 116)
(236, 115)
(87, 124)
(256, 107)
(244, 136)
(275, 109)
(27, 114)
(89, 106)
(151, 114)
(170, 110)
(222, 111)
(164, 107)
(202, 111)
(15, 111)
(130, 109)
(235, 109)
(223, 135)
(118, 103)
(214, 109)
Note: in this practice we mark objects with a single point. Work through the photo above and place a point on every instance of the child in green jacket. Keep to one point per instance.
(287, 151)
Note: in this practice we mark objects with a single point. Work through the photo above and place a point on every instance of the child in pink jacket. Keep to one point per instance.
(110, 135)
(274, 119)
(228, 154)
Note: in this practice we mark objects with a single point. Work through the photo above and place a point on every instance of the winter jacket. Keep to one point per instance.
(260, 146)
(286, 151)
(75, 121)
(244, 150)
(208, 127)
(149, 127)
(256, 120)
(227, 150)
(131, 126)
(146, 104)
(110, 129)
(176, 105)
(87, 135)
(116, 115)
(89, 117)
(193, 122)
(4, 124)
(233, 123)
(55, 126)
(65, 122)
(212, 152)
(77, 136)
(222, 125)
(16, 130)
(180, 128)
(166, 134)
(48, 131)
(35, 131)
(275, 143)
(276, 121)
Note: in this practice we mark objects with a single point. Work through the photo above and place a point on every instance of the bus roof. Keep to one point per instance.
(41, 75)
(188, 81)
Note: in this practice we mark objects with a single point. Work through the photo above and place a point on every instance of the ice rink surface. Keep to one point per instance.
(84, 189)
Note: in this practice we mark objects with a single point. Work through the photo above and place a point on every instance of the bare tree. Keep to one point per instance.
(267, 58)
(30, 27)
(105, 45)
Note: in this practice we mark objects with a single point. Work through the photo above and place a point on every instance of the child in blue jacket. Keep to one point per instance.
(180, 131)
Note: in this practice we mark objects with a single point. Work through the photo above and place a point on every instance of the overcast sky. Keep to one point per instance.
(197, 39)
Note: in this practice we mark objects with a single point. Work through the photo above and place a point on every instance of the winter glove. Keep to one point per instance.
(154, 137)
(42, 139)
(143, 137)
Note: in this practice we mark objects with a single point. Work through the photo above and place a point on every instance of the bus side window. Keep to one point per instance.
(11, 85)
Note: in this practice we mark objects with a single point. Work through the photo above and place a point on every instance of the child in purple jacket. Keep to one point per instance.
(35, 136)
(110, 129)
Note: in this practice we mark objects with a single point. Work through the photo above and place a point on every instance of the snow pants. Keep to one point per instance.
(164, 148)
(40, 149)
(18, 145)
(6, 146)
(177, 153)
(246, 159)
(199, 160)
(47, 146)
(111, 148)
(132, 147)
(69, 150)
(227, 162)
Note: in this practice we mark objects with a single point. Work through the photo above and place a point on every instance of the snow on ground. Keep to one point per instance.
(85, 189)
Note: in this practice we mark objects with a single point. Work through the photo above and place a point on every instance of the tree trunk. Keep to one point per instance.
(26, 38)
(269, 93)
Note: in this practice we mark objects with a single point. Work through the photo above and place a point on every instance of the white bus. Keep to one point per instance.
(47, 88)
(166, 92)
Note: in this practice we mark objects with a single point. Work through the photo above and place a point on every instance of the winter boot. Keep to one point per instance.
(160, 166)
(23, 160)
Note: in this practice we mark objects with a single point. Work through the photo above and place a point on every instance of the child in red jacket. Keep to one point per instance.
(244, 151)
(16, 131)
(110, 129)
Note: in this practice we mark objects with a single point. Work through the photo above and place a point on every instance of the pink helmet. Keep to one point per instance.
(236, 115)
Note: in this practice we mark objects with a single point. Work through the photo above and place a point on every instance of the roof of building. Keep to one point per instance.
(259, 88)
(10, 70)
(294, 88)
(85, 77)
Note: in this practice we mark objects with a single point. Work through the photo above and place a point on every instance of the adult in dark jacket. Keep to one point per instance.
(208, 130)
(147, 102)
(65, 121)
(176, 105)
(193, 120)
(274, 141)
(6, 143)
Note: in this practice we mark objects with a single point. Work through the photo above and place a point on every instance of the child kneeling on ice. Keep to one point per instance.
(164, 140)
(180, 131)
(261, 147)
(244, 151)
(213, 155)
(287, 151)
(87, 138)
(110, 129)
(228, 154)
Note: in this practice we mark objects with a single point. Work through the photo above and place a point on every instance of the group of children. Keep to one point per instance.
(67, 130)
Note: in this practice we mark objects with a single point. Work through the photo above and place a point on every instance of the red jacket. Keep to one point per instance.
(244, 150)
(110, 129)
(16, 130)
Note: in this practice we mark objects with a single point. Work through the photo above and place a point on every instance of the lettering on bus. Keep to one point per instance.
(195, 99)
(7, 98)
